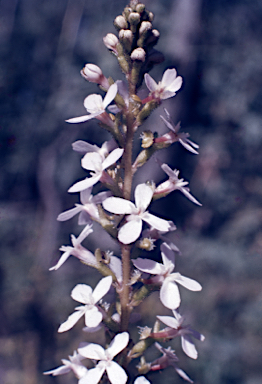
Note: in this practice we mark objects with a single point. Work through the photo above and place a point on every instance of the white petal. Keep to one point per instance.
(119, 206)
(93, 317)
(183, 374)
(190, 197)
(150, 83)
(85, 232)
(69, 214)
(82, 293)
(102, 288)
(169, 321)
(112, 157)
(80, 119)
(86, 183)
(84, 147)
(94, 103)
(92, 161)
(167, 94)
(100, 197)
(141, 380)
(115, 373)
(116, 266)
(148, 266)
(155, 222)
(169, 171)
(111, 94)
(175, 85)
(58, 371)
(93, 375)
(169, 294)
(92, 351)
(71, 321)
(189, 347)
(118, 343)
(188, 283)
(130, 231)
(169, 76)
(168, 257)
(85, 196)
(62, 259)
(143, 196)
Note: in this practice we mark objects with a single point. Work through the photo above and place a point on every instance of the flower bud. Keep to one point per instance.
(120, 22)
(111, 42)
(145, 26)
(138, 54)
(140, 8)
(134, 19)
(126, 37)
(94, 74)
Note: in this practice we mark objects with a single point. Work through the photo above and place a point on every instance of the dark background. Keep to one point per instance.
(216, 47)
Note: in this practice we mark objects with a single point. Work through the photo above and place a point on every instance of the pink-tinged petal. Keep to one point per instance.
(168, 257)
(143, 196)
(150, 83)
(115, 373)
(92, 351)
(71, 321)
(93, 317)
(84, 184)
(169, 76)
(102, 288)
(169, 321)
(188, 283)
(118, 343)
(84, 147)
(156, 222)
(169, 294)
(58, 371)
(82, 293)
(62, 259)
(93, 376)
(111, 94)
(189, 347)
(119, 206)
(94, 104)
(92, 161)
(112, 157)
(148, 266)
(69, 214)
(130, 231)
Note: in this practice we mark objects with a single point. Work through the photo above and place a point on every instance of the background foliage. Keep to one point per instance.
(216, 47)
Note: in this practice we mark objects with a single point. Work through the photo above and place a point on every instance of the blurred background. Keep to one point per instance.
(216, 47)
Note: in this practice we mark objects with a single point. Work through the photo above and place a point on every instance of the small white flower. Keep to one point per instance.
(73, 364)
(169, 293)
(88, 209)
(137, 213)
(96, 106)
(85, 295)
(184, 331)
(115, 372)
(167, 87)
(174, 183)
(77, 250)
(96, 163)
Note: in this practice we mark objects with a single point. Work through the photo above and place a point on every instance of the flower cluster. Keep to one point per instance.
(129, 278)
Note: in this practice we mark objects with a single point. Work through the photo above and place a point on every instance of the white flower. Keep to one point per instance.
(184, 331)
(167, 87)
(115, 372)
(130, 231)
(94, 162)
(85, 147)
(77, 250)
(73, 364)
(88, 209)
(141, 380)
(85, 295)
(174, 183)
(174, 135)
(169, 293)
(96, 106)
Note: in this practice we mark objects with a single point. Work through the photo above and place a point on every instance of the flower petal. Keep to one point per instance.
(94, 104)
(188, 283)
(189, 347)
(92, 351)
(58, 371)
(141, 380)
(86, 183)
(66, 215)
(148, 266)
(84, 147)
(81, 119)
(130, 231)
(156, 222)
(168, 257)
(111, 94)
(118, 343)
(92, 161)
(116, 374)
(93, 317)
(102, 288)
(62, 259)
(119, 206)
(150, 83)
(112, 157)
(82, 293)
(93, 375)
(143, 196)
(71, 321)
(169, 294)
(169, 321)
(169, 76)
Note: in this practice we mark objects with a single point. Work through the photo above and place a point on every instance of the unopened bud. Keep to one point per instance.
(120, 22)
(94, 74)
(145, 27)
(134, 19)
(138, 54)
(126, 36)
(111, 42)
(150, 16)
(140, 8)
